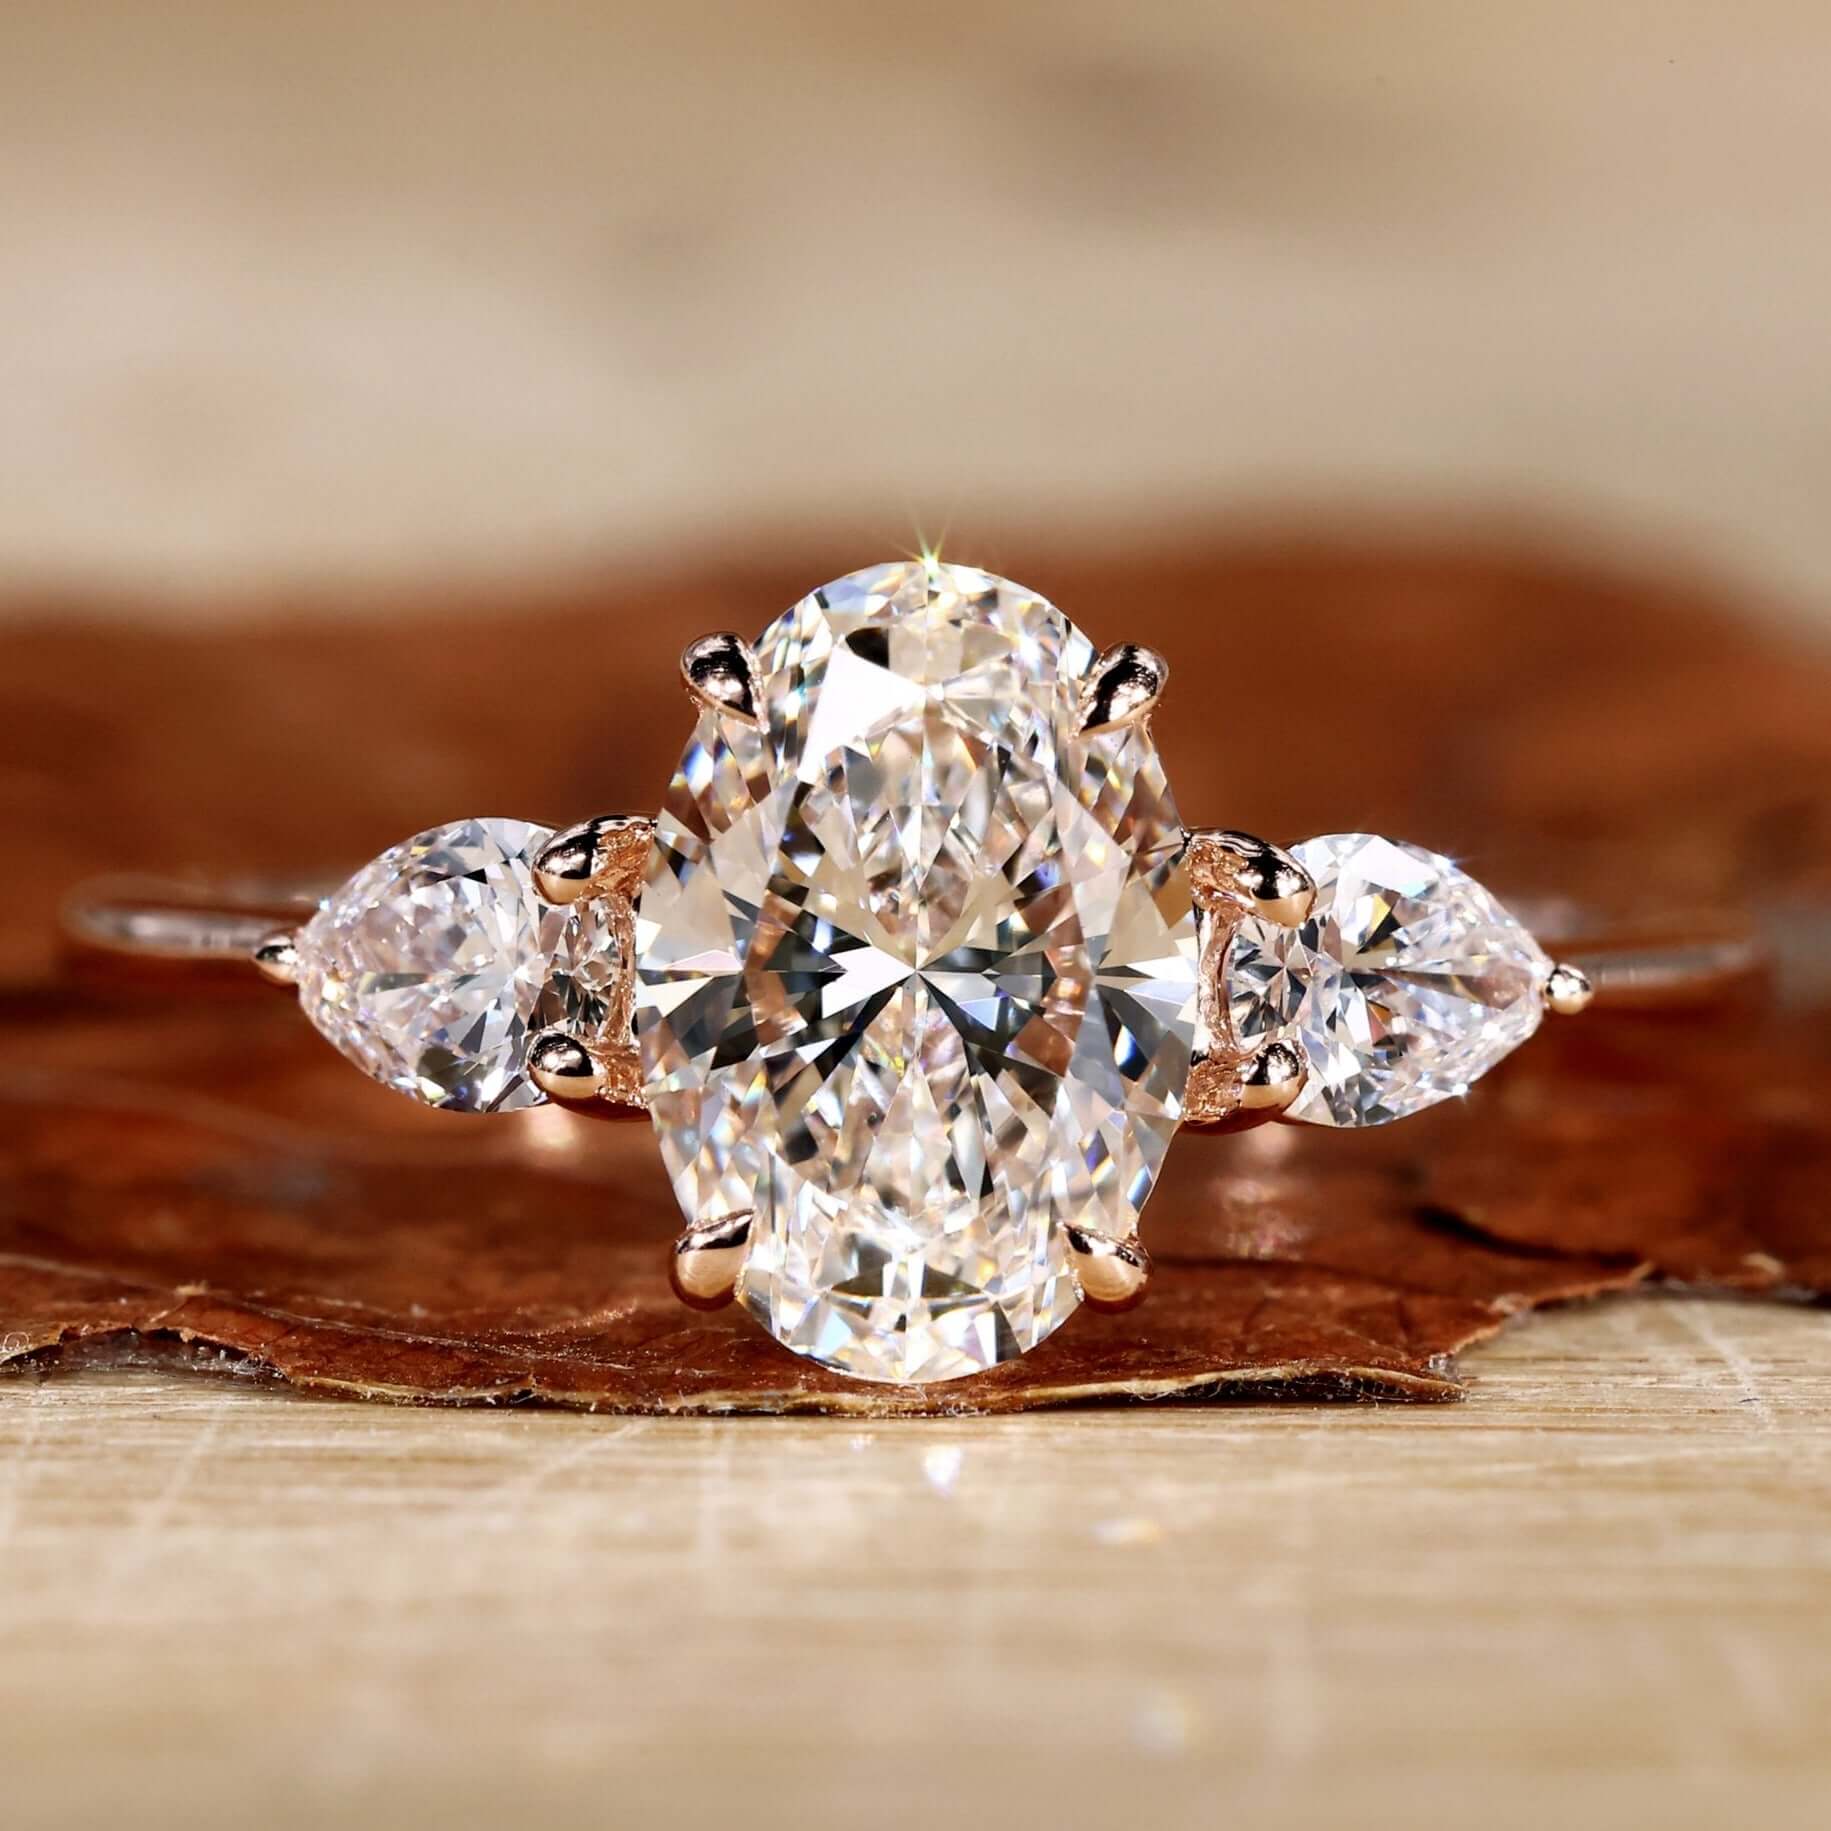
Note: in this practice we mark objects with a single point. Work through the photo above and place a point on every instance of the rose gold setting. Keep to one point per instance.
(1123, 689)
(566, 1069)
(277, 959)
(1110, 1274)
(708, 1260)
(601, 858)
(600, 861)
(1233, 876)
(1569, 990)
(721, 674)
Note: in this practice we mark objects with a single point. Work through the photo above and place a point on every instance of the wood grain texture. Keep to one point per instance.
(1595, 1595)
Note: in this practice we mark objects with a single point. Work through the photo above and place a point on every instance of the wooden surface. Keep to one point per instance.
(1597, 1594)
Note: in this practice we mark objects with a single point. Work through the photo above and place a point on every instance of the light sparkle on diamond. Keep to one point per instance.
(917, 973)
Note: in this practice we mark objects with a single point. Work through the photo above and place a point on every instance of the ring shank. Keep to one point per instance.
(1646, 975)
(150, 918)
(1690, 958)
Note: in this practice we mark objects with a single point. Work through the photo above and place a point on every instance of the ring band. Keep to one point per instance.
(916, 971)
(1679, 965)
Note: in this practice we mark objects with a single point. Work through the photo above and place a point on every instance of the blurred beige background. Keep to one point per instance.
(304, 296)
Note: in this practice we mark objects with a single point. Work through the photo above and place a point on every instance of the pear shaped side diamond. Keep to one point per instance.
(1405, 985)
(434, 965)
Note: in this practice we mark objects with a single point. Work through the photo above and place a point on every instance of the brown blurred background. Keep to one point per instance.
(296, 296)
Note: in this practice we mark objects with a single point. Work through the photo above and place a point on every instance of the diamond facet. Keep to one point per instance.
(432, 967)
(1407, 983)
(917, 974)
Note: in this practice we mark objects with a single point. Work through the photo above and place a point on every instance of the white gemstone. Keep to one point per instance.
(916, 973)
(1407, 983)
(433, 966)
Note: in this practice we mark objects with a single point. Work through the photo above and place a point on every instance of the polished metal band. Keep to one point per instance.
(177, 919)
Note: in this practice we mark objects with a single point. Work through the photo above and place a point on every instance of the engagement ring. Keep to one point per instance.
(916, 972)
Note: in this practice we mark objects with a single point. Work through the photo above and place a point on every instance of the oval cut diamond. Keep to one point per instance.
(1407, 983)
(916, 973)
(433, 966)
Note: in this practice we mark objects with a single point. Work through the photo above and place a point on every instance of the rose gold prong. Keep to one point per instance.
(1127, 682)
(598, 857)
(1213, 1093)
(1568, 990)
(1265, 877)
(1271, 1078)
(1111, 1273)
(1237, 1096)
(278, 959)
(707, 1261)
(565, 1069)
(721, 673)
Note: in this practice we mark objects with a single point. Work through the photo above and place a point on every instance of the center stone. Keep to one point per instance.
(917, 973)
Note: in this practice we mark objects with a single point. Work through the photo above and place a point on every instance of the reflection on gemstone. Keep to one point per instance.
(916, 973)
(435, 963)
(1406, 984)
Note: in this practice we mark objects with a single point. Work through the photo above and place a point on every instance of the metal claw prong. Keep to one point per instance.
(1271, 1078)
(721, 673)
(1126, 683)
(1265, 877)
(278, 959)
(707, 1260)
(1111, 1273)
(1568, 990)
(595, 858)
(565, 1069)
